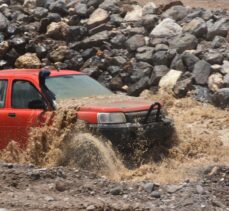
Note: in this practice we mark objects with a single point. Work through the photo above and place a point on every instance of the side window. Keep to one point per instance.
(3, 88)
(23, 94)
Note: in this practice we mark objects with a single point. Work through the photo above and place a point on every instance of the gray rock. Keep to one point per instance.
(220, 28)
(81, 10)
(158, 72)
(58, 7)
(116, 19)
(135, 42)
(95, 40)
(174, 188)
(201, 72)
(176, 13)
(149, 8)
(213, 57)
(136, 88)
(183, 85)
(3, 22)
(197, 27)
(199, 189)
(94, 3)
(189, 60)
(114, 70)
(167, 28)
(161, 47)
(184, 42)
(149, 187)
(116, 191)
(226, 80)
(177, 63)
(98, 17)
(135, 14)
(118, 40)
(110, 5)
(218, 42)
(221, 98)
(156, 194)
(145, 54)
(162, 58)
(40, 12)
(201, 94)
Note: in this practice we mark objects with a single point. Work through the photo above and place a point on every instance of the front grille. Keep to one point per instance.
(139, 117)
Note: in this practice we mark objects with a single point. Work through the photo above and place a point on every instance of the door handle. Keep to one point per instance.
(12, 114)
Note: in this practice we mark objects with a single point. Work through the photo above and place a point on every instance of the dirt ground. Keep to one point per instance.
(214, 4)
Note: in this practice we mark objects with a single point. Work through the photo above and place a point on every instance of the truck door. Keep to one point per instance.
(27, 109)
(3, 113)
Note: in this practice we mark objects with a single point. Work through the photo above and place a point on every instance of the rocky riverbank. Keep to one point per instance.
(125, 46)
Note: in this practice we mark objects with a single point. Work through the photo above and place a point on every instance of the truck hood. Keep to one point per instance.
(114, 103)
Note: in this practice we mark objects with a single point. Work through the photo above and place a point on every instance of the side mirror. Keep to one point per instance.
(37, 104)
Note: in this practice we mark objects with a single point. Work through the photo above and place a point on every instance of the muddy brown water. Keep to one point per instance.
(202, 139)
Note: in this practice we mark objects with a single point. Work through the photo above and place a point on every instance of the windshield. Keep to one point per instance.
(75, 86)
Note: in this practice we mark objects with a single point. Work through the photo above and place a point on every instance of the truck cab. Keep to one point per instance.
(27, 95)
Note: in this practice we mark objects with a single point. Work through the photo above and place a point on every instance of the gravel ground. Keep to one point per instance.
(30, 188)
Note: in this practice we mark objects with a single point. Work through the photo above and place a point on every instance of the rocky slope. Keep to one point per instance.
(125, 46)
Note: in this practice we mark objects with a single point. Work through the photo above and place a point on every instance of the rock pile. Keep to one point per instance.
(125, 46)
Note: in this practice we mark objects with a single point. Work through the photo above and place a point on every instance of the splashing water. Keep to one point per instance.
(199, 142)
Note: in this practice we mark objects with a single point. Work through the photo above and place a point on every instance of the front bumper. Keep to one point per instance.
(129, 132)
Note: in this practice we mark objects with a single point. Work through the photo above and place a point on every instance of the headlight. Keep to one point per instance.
(106, 118)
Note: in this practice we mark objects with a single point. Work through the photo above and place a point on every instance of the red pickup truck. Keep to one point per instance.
(26, 95)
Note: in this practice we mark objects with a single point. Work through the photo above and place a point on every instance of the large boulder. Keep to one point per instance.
(176, 13)
(219, 42)
(58, 30)
(136, 88)
(196, 26)
(3, 22)
(184, 42)
(168, 81)
(134, 42)
(189, 60)
(213, 57)
(201, 72)
(163, 58)
(95, 40)
(221, 98)
(28, 60)
(220, 28)
(158, 72)
(145, 54)
(98, 17)
(135, 14)
(167, 28)
(215, 82)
